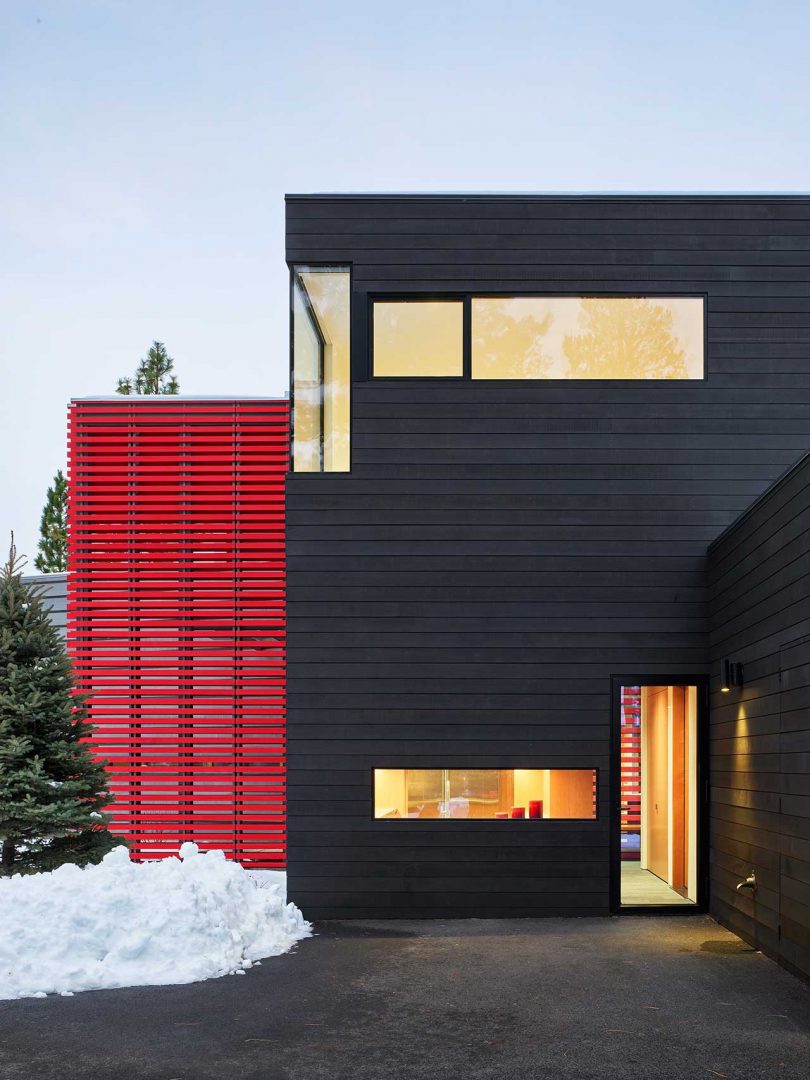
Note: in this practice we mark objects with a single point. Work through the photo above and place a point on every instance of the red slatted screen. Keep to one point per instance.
(176, 618)
(631, 771)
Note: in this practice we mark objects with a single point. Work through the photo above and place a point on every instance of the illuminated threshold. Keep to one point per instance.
(641, 888)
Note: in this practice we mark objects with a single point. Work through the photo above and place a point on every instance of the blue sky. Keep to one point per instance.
(146, 149)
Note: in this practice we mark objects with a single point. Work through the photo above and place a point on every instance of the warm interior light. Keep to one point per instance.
(485, 794)
(658, 815)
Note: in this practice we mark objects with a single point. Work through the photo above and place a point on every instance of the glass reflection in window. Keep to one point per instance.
(321, 369)
(531, 337)
(419, 338)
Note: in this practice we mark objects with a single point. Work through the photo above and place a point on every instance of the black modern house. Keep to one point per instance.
(548, 614)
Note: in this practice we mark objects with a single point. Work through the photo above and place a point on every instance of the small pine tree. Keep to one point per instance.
(153, 375)
(52, 555)
(52, 789)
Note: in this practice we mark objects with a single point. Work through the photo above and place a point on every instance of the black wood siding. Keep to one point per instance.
(760, 734)
(500, 549)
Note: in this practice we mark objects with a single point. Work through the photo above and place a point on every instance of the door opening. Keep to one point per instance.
(658, 796)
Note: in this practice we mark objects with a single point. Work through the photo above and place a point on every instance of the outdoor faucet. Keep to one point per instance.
(749, 883)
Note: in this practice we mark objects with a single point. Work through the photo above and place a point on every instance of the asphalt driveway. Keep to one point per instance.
(670, 998)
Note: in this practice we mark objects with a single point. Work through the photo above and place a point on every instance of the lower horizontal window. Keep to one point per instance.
(484, 794)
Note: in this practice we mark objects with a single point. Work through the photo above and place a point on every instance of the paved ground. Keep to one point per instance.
(667, 997)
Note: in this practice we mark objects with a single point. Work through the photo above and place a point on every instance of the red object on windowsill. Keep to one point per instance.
(535, 808)
(518, 811)
(501, 814)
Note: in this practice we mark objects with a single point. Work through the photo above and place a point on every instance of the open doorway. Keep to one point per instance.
(658, 805)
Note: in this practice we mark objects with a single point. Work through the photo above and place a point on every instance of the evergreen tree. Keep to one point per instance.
(153, 375)
(52, 789)
(52, 555)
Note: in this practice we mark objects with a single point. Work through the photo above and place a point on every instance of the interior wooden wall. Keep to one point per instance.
(654, 780)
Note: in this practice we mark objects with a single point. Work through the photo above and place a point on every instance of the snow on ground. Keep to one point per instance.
(266, 879)
(138, 924)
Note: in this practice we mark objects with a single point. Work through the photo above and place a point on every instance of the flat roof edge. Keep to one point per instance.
(760, 499)
(178, 399)
(720, 196)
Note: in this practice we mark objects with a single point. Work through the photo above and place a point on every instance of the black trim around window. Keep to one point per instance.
(467, 298)
(425, 298)
(344, 266)
(701, 682)
(419, 823)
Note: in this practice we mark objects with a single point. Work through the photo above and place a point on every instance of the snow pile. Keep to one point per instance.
(128, 924)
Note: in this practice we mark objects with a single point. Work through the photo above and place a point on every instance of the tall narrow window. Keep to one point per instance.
(659, 795)
(321, 368)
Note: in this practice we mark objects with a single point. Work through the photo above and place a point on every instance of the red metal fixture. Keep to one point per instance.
(631, 769)
(176, 616)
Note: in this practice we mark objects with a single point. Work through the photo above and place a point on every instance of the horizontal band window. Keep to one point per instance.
(485, 794)
(530, 337)
(541, 337)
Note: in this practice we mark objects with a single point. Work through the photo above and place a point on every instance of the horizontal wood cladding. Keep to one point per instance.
(54, 597)
(711, 211)
(759, 593)
(500, 549)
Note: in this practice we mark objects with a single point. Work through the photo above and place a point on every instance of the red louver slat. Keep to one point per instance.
(631, 766)
(176, 616)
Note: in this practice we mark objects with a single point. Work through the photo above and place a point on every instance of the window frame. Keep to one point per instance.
(344, 266)
(532, 294)
(614, 773)
(421, 823)
(424, 298)
(316, 326)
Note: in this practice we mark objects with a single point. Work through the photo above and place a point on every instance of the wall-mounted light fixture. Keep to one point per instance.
(730, 675)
